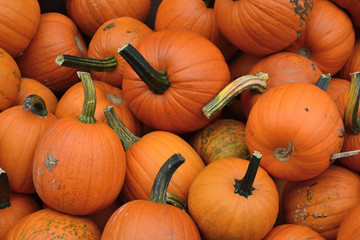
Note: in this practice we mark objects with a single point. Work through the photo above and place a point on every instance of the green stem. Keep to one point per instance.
(256, 82)
(4, 190)
(157, 81)
(209, 3)
(177, 201)
(36, 105)
(88, 110)
(244, 187)
(108, 64)
(351, 119)
(126, 136)
(162, 180)
(324, 81)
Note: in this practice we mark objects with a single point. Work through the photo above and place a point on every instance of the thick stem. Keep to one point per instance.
(157, 81)
(126, 136)
(108, 64)
(256, 82)
(162, 180)
(88, 111)
(36, 105)
(351, 119)
(177, 201)
(209, 3)
(4, 190)
(324, 81)
(244, 187)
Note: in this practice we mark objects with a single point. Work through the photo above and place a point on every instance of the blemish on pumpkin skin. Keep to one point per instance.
(50, 162)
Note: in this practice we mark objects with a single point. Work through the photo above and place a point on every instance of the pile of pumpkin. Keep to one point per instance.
(221, 120)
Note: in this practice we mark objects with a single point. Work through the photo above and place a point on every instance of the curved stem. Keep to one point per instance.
(177, 201)
(324, 81)
(4, 190)
(126, 136)
(157, 81)
(88, 110)
(255, 82)
(209, 3)
(351, 119)
(244, 187)
(35, 104)
(162, 180)
(88, 64)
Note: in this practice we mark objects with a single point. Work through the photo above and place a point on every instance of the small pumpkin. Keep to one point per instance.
(292, 231)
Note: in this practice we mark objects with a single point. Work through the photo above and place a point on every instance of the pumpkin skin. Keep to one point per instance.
(353, 62)
(70, 104)
(327, 40)
(222, 214)
(10, 80)
(293, 232)
(49, 224)
(18, 24)
(322, 202)
(337, 87)
(194, 81)
(89, 15)
(353, 7)
(262, 27)
(56, 34)
(109, 38)
(299, 136)
(282, 68)
(350, 226)
(222, 138)
(30, 86)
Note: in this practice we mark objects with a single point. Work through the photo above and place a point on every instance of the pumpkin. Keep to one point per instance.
(292, 231)
(153, 218)
(10, 79)
(21, 128)
(56, 34)
(352, 7)
(145, 155)
(13, 206)
(89, 15)
(70, 104)
(49, 224)
(322, 202)
(18, 24)
(222, 138)
(299, 134)
(327, 40)
(262, 27)
(178, 77)
(352, 64)
(79, 164)
(337, 87)
(350, 226)
(102, 217)
(233, 198)
(103, 60)
(281, 68)
(197, 16)
(30, 86)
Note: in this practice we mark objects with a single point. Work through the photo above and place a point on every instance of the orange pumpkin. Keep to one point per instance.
(350, 226)
(337, 87)
(297, 127)
(352, 63)
(293, 232)
(352, 7)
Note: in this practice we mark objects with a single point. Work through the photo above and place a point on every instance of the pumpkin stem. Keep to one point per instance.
(283, 154)
(157, 81)
(209, 3)
(244, 187)
(255, 82)
(126, 136)
(324, 81)
(88, 64)
(351, 119)
(176, 201)
(162, 180)
(4, 190)
(88, 110)
(36, 105)
(305, 52)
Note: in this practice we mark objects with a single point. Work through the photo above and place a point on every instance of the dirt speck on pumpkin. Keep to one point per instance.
(50, 162)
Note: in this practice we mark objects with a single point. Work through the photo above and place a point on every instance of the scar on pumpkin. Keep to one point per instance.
(50, 162)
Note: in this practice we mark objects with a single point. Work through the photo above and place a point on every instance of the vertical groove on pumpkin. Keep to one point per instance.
(126, 136)
(162, 180)
(255, 82)
(88, 64)
(88, 110)
(244, 187)
(35, 104)
(4, 190)
(351, 119)
(157, 81)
